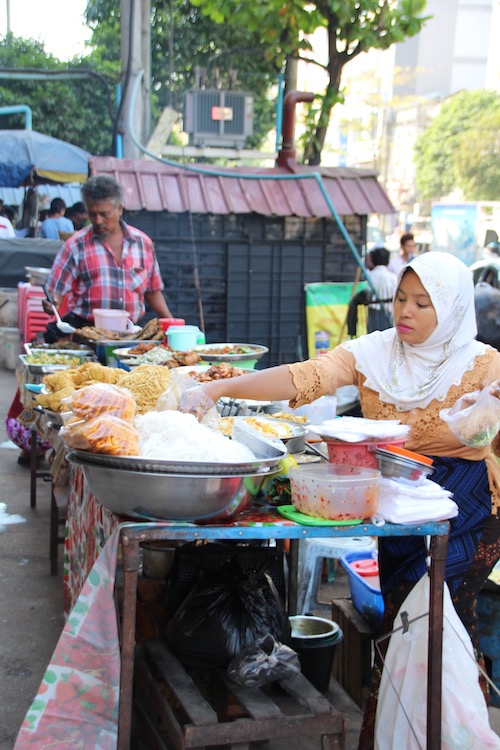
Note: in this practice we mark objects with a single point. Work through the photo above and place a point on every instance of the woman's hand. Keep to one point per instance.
(494, 388)
(195, 401)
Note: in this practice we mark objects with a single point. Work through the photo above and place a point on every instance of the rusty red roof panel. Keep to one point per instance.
(155, 186)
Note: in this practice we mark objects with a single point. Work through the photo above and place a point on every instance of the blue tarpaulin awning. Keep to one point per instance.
(28, 157)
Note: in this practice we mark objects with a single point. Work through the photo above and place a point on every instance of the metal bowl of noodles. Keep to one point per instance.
(203, 498)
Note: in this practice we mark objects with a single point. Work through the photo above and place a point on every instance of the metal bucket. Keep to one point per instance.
(315, 639)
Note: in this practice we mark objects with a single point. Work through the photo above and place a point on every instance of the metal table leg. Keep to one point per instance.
(439, 547)
(130, 552)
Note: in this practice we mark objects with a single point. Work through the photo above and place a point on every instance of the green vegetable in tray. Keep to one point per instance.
(48, 358)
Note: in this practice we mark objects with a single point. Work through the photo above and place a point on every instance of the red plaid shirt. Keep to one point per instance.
(88, 271)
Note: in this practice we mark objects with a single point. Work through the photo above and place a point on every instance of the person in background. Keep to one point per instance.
(407, 249)
(6, 228)
(79, 215)
(56, 221)
(108, 264)
(410, 372)
(18, 427)
(384, 283)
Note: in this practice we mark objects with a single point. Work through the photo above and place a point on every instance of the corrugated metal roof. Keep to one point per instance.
(155, 186)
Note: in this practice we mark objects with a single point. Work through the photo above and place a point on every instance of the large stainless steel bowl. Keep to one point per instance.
(175, 497)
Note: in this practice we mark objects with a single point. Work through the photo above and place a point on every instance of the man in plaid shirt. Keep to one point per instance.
(107, 264)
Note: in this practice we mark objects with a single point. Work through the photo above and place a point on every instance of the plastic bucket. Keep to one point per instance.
(315, 639)
(183, 338)
(357, 454)
(113, 320)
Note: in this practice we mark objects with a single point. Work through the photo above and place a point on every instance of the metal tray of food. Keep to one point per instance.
(230, 352)
(46, 368)
(78, 351)
(267, 457)
(291, 434)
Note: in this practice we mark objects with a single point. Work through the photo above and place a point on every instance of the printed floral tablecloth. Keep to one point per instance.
(77, 702)
(88, 527)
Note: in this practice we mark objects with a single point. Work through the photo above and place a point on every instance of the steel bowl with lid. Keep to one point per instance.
(395, 462)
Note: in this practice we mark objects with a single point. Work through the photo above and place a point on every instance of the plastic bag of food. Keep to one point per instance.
(103, 434)
(474, 418)
(264, 661)
(102, 398)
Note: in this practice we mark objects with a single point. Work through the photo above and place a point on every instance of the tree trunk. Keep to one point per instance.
(336, 62)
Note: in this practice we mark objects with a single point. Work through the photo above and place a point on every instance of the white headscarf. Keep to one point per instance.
(410, 376)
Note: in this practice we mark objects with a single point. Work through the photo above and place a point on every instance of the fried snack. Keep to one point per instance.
(101, 398)
(94, 371)
(217, 372)
(103, 434)
(53, 401)
(146, 383)
(58, 380)
(280, 430)
(300, 419)
(226, 426)
(142, 348)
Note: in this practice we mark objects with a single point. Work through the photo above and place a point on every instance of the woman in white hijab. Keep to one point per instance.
(410, 372)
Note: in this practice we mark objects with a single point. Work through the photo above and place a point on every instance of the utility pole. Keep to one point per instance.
(136, 57)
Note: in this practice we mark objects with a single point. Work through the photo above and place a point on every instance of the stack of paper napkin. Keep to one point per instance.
(359, 429)
(402, 501)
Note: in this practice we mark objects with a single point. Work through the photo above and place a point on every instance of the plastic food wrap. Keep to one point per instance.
(474, 418)
(102, 398)
(263, 662)
(104, 434)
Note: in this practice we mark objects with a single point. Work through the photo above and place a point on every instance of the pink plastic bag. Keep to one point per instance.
(401, 720)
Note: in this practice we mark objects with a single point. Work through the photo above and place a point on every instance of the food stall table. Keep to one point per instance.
(266, 524)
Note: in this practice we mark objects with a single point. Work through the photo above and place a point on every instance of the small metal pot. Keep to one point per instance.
(157, 559)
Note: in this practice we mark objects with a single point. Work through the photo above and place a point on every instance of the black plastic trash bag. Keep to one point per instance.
(263, 662)
(227, 610)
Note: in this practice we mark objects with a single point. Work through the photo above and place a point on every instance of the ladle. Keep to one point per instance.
(64, 327)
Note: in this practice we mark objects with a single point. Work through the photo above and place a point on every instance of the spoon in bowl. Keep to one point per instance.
(64, 327)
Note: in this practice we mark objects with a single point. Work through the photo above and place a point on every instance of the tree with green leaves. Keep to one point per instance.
(461, 148)
(351, 28)
(477, 158)
(184, 40)
(71, 101)
(83, 110)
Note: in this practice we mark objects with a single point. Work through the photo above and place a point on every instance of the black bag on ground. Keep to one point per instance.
(193, 560)
(227, 610)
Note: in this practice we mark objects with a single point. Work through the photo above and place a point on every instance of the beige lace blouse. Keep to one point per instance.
(429, 434)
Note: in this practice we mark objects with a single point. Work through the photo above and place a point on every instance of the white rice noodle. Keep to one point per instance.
(174, 436)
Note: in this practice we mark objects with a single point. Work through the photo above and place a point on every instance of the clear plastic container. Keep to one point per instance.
(335, 492)
(111, 320)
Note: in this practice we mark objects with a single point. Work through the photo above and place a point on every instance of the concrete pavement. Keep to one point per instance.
(31, 600)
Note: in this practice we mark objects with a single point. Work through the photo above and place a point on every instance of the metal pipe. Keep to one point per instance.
(291, 101)
(279, 110)
(20, 109)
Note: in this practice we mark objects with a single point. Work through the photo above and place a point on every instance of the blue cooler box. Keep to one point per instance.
(368, 600)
